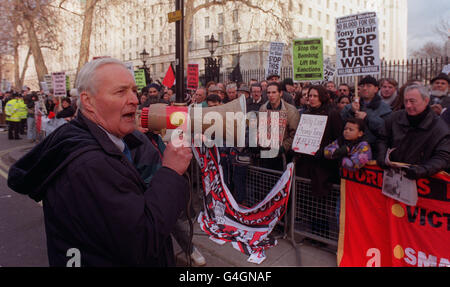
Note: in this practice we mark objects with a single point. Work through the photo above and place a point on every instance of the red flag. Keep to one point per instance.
(169, 79)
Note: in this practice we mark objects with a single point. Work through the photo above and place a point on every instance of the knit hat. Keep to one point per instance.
(441, 76)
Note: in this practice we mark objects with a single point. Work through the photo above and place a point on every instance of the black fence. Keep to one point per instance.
(423, 69)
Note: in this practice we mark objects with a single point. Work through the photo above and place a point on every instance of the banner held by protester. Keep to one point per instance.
(377, 231)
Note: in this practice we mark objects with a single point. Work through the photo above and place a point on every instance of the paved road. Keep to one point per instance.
(22, 235)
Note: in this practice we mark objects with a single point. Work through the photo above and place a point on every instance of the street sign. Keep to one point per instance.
(175, 16)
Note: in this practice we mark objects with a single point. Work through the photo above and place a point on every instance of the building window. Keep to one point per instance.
(206, 39)
(220, 39)
(235, 36)
(206, 22)
(220, 19)
(235, 16)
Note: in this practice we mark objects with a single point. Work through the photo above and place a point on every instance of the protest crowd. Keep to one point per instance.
(413, 118)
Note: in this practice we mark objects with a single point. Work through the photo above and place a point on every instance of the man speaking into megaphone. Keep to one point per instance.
(94, 199)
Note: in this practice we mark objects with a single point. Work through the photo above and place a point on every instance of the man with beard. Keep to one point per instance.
(439, 99)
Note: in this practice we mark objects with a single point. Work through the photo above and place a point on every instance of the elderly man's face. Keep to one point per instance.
(232, 93)
(414, 103)
(199, 95)
(114, 106)
(440, 85)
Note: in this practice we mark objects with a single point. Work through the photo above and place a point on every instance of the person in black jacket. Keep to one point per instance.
(321, 171)
(419, 136)
(94, 199)
(68, 111)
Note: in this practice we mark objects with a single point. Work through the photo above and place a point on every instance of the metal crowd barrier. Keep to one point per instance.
(307, 216)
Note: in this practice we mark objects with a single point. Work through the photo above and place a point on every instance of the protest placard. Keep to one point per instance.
(274, 59)
(49, 81)
(59, 84)
(328, 70)
(357, 50)
(192, 76)
(67, 83)
(309, 134)
(139, 77)
(307, 59)
(130, 67)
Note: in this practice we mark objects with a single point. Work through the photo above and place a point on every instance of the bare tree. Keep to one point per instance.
(430, 50)
(274, 8)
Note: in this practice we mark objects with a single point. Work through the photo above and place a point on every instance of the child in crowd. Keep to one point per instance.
(351, 147)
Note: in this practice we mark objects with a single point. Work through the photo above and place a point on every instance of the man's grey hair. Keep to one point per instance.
(231, 86)
(86, 79)
(424, 92)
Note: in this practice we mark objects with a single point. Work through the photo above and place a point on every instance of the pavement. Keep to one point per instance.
(287, 253)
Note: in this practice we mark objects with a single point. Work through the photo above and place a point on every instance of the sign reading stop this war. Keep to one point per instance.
(275, 57)
(357, 45)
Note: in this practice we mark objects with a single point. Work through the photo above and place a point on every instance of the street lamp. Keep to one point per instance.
(212, 44)
(212, 65)
(144, 58)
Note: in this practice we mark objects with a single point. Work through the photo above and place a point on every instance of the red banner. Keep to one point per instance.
(376, 230)
(192, 76)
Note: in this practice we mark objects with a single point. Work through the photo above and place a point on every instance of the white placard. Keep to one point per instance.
(130, 67)
(446, 69)
(398, 187)
(328, 70)
(309, 134)
(59, 84)
(275, 59)
(357, 49)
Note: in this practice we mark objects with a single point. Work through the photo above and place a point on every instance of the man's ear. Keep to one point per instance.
(87, 101)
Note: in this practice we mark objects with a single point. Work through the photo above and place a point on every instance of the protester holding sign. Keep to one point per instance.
(369, 108)
(321, 171)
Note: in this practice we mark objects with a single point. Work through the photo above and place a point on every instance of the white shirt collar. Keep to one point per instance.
(117, 141)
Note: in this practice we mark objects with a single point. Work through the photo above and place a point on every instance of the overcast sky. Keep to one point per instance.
(422, 18)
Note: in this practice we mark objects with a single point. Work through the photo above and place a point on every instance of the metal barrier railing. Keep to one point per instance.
(308, 216)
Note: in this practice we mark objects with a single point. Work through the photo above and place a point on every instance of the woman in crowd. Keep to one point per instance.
(67, 111)
(342, 102)
(322, 172)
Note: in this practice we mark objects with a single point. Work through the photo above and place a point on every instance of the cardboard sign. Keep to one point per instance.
(357, 48)
(67, 83)
(59, 84)
(192, 76)
(130, 67)
(446, 69)
(307, 59)
(309, 134)
(49, 81)
(139, 77)
(328, 70)
(275, 58)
